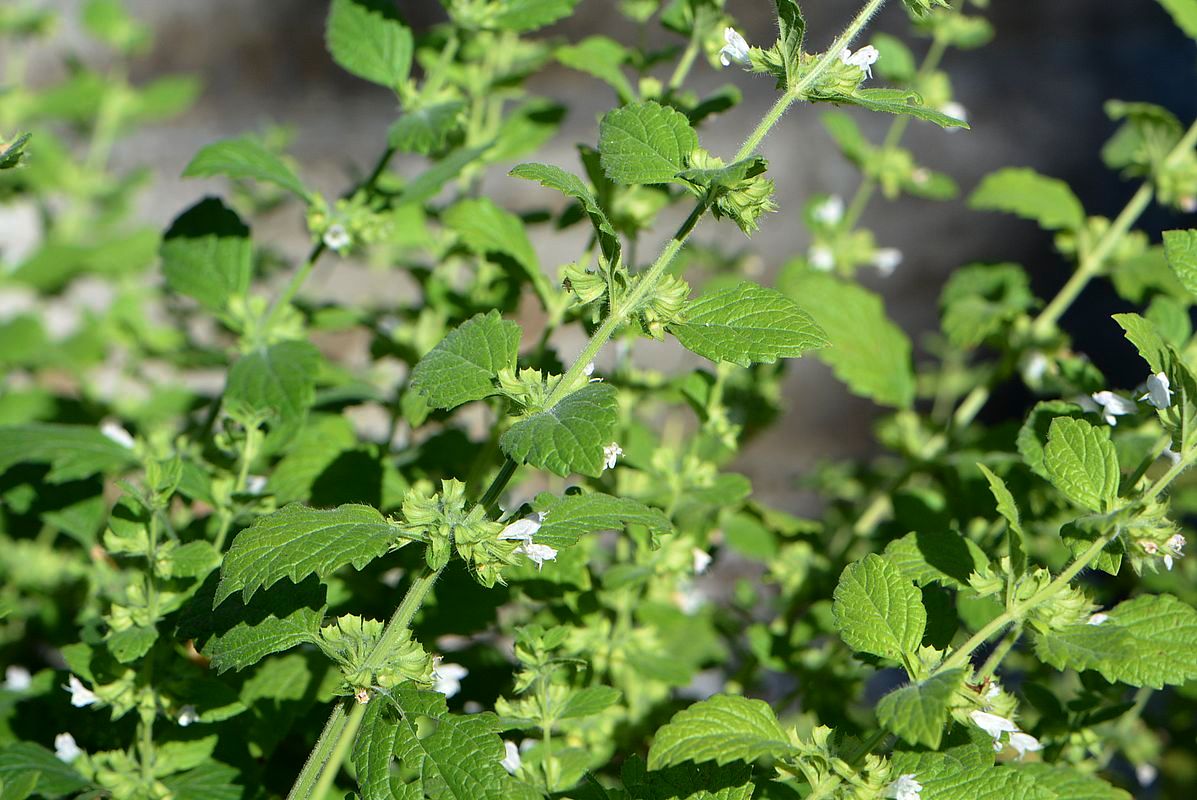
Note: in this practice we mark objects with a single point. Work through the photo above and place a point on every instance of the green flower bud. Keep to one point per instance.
(666, 305)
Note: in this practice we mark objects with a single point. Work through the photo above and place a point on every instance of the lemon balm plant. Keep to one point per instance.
(499, 592)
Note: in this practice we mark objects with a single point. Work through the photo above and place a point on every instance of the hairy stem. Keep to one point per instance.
(344, 740)
(329, 739)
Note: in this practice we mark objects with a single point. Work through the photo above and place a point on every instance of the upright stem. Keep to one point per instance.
(344, 740)
(328, 742)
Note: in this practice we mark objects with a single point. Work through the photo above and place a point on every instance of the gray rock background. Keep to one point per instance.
(1034, 95)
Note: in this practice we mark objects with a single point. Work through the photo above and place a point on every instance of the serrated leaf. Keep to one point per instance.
(527, 15)
(947, 777)
(56, 778)
(687, 781)
(72, 451)
(298, 541)
(919, 712)
(568, 518)
(277, 381)
(486, 229)
(747, 324)
(425, 129)
(1083, 532)
(1150, 640)
(896, 101)
(878, 610)
(132, 643)
(1032, 196)
(570, 436)
(1184, 14)
(1180, 418)
(979, 299)
(602, 58)
(1032, 436)
(11, 155)
(943, 557)
(212, 781)
(589, 701)
(1071, 784)
(207, 254)
(463, 366)
(645, 143)
(236, 634)
(367, 39)
(711, 177)
(867, 351)
(791, 32)
(1180, 248)
(723, 729)
(1081, 462)
(245, 158)
(1008, 508)
(572, 186)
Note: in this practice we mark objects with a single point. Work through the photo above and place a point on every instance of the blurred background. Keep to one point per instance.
(1034, 97)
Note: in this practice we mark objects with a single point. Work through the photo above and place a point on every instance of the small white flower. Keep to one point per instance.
(116, 433)
(1151, 548)
(702, 559)
(17, 678)
(864, 58)
(955, 111)
(187, 715)
(830, 211)
(1174, 547)
(1146, 774)
(904, 788)
(511, 761)
(735, 49)
(336, 238)
(1097, 619)
(522, 530)
(1171, 455)
(992, 724)
(588, 370)
(1034, 366)
(821, 258)
(689, 598)
(886, 260)
(537, 553)
(610, 453)
(993, 691)
(1188, 203)
(1024, 743)
(81, 696)
(1113, 406)
(446, 678)
(362, 696)
(255, 484)
(1159, 391)
(66, 748)
(920, 176)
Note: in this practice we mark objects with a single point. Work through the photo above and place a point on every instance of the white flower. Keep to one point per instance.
(1159, 391)
(116, 433)
(920, 176)
(1188, 203)
(702, 559)
(689, 598)
(993, 691)
(955, 111)
(17, 678)
(1151, 548)
(735, 49)
(864, 58)
(81, 696)
(1024, 743)
(362, 696)
(904, 788)
(588, 370)
(1034, 366)
(992, 724)
(1171, 455)
(610, 453)
(187, 715)
(255, 484)
(1097, 619)
(336, 238)
(1113, 406)
(830, 211)
(446, 678)
(886, 260)
(821, 258)
(1146, 774)
(522, 530)
(537, 553)
(1174, 547)
(511, 761)
(65, 748)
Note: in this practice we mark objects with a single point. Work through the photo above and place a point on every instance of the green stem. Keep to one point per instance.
(687, 61)
(333, 766)
(328, 742)
(999, 653)
(417, 591)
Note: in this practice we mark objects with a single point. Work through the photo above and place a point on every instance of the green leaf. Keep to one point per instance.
(878, 610)
(11, 155)
(298, 541)
(568, 518)
(602, 58)
(245, 158)
(56, 779)
(1032, 436)
(72, 451)
(1015, 537)
(277, 381)
(527, 15)
(867, 351)
(425, 129)
(207, 254)
(896, 101)
(1070, 784)
(943, 557)
(570, 436)
(1180, 248)
(366, 38)
(645, 143)
(729, 175)
(1029, 195)
(1184, 14)
(462, 368)
(722, 729)
(949, 777)
(589, 701)
(746, 324)
(1180, 419)
(1081, 462)
(132, 643)
(791, 31)
(488, 229)
(979, 299)
(686, 781)
(1150, 640)
(572, 186)
(211, 781)
(919, 712)
(1081, 533)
